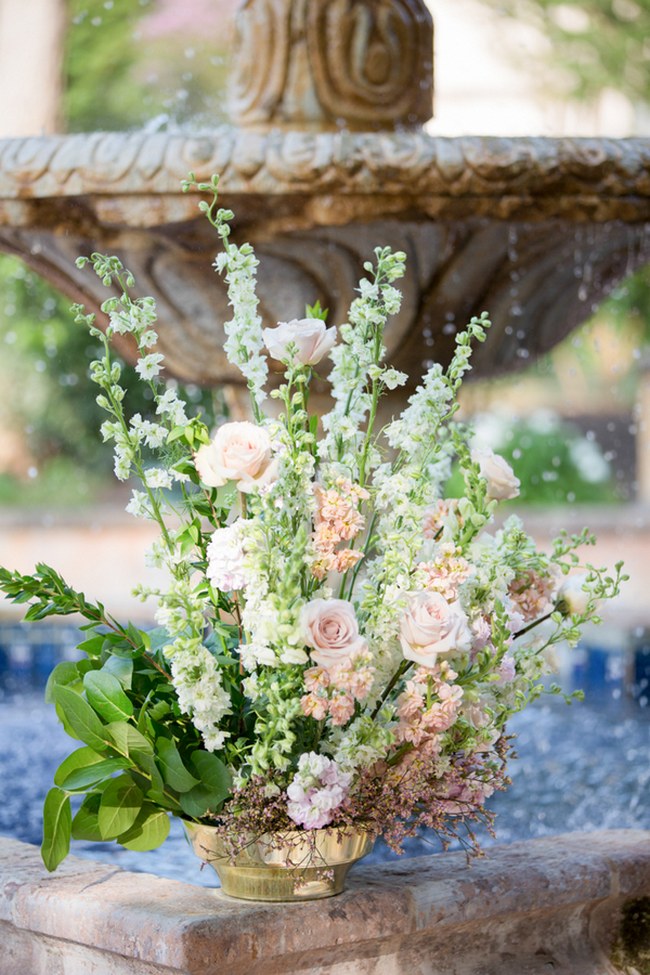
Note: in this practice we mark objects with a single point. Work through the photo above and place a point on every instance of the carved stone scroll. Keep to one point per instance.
(348, 64)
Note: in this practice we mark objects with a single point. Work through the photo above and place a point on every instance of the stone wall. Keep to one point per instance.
(578, 904)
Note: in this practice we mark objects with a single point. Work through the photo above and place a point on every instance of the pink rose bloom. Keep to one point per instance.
(431, 626)
(330, 629)
(312, 338)
(240, 451)
(501, 481)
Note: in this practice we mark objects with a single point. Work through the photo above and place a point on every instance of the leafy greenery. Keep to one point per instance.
(132, 769)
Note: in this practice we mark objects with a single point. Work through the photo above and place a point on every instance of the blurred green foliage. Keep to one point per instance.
(596, 44)
(48, 395)
(554, 461)
(116, 77)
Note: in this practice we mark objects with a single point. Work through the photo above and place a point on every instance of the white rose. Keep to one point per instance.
(240, 451)
(330, 628)
(572, 597)
(501, 481)
(431, 627)
(312, 338)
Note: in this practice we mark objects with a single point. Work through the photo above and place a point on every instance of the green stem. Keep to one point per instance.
(399, 673)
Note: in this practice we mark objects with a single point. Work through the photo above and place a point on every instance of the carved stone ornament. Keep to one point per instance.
(355, 64)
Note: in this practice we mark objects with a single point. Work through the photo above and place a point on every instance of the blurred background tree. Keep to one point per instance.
(591, 46)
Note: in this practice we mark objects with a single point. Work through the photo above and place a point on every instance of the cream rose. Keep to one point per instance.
(312, 338)
(572, 597)
(431, 627)
(501, 481)
(240, 451)
(329, 627)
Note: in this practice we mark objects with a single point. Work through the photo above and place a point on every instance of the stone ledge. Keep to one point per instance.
(549, 904)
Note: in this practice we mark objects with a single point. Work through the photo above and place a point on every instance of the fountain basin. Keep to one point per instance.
(563, 904)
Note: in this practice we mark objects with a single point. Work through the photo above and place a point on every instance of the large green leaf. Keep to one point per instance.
(57, 821)
(82, 778)
(119, 807)
(105, 695)
(128, 741)
(214, 787)
(84, 767)
(150, 829)
(65, 673)
(85, 825)
(122, 668)
(79, 718)
(171, 765)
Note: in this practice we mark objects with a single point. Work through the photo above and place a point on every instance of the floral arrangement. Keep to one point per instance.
(338, 643)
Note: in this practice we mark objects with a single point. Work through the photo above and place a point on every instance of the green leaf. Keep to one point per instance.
(150, 829)
(119, 807)
(214, 787)
(57, 823)
(171, 765)
(65, 674)
(81, 758)
(79, 718)
(122, 668)
(92, 646)
(128, 740)
(80, 779)
(105, 695)
(85, 825)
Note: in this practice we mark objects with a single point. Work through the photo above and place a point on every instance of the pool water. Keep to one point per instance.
(583, 767)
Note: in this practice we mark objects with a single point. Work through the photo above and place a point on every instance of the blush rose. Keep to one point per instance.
(311, 337)
(329, 627)
(239, 451)
(432, 627)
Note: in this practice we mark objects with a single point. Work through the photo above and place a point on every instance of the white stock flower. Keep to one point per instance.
(225, 552)
(149, 366)
(158, 477)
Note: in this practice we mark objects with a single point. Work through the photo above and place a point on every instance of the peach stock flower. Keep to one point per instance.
(431, 627)
(311, 337)
(239, 451)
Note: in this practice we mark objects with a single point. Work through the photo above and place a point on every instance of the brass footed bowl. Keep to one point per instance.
(294, 865)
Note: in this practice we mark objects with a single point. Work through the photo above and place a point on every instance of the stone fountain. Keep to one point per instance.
(326, 158)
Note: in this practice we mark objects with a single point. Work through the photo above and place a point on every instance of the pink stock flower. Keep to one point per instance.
(314, 707)
(341, 708)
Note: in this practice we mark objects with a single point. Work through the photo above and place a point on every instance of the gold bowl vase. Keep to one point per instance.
(295, 865)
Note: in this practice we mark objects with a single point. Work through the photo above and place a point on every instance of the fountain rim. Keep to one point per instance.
(588, 179)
